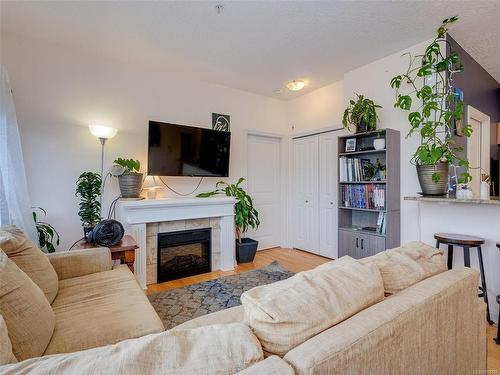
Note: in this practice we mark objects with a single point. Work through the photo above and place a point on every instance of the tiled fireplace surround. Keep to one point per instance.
(146, 218)
(152, 230)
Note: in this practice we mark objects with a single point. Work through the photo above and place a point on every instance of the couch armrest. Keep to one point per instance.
(76, 263)
(271, 365)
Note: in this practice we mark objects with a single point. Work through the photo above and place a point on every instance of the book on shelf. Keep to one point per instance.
(353, 169)
(382, 222)
(368, 196)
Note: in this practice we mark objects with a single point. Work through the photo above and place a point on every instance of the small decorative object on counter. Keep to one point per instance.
(463, 192)
(485, 186)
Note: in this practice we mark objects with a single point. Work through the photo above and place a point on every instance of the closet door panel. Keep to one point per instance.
(305, 193)
(328, 197)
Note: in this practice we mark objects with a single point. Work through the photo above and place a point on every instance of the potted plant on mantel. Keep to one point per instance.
(429, 79)
(88, 188)
(130, 180)
(246, 216)
(362, 114)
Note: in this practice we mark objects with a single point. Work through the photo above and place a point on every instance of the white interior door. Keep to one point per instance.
(328, 197)
(264, 185)
(478, 147)
(305, 194)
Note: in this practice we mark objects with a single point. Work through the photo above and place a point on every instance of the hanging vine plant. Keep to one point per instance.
(429, 80)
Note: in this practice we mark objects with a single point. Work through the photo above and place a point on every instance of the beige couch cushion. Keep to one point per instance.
(436, 327)
(30, 259)
(272, 365)
(75, 263)
(27, 313)
(6, 355)
(100, 309)
(234, 314)
(287, 313)
(217, 349)
(407, 265)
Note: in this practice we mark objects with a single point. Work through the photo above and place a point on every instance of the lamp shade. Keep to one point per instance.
(150, 183)
(101, 131)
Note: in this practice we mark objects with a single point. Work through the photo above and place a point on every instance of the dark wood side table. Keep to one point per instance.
(123, 250)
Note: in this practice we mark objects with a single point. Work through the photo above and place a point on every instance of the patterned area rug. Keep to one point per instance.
(179, 305)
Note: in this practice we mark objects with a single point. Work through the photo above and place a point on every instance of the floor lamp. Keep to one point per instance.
(103, 133)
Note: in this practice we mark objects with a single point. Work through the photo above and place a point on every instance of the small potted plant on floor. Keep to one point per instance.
(130, 180)
(426, 91)
(246, 216)
(88, 188)
(362, 114)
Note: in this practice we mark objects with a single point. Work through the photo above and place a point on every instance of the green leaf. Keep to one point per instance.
(425, 70)
(396, 82)
(415, 118)
(467, 130)
(404, 102)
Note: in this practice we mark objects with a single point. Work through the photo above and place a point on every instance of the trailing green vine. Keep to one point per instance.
(438, 107)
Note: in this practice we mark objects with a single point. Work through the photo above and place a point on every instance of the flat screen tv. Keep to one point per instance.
(178, 150)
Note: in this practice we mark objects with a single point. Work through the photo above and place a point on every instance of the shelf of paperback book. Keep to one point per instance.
(363, 182)
(361, 209)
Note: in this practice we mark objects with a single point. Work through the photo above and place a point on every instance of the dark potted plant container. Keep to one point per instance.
(246, 216)
(246, 250)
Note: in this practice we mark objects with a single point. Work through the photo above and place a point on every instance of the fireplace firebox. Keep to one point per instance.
(183, 253)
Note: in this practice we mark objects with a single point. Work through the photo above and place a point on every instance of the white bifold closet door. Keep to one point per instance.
(314, 198)
(305, 193)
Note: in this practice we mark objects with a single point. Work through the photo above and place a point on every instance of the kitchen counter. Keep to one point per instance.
(444, 199)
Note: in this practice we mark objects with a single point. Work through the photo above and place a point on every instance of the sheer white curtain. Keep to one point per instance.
(15, 205)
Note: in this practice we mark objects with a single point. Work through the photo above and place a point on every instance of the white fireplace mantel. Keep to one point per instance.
(134, 215)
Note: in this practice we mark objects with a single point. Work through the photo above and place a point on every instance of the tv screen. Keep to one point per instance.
(178, 150)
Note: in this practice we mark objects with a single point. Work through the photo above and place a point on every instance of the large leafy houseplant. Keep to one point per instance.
(130, 180)
(428, 79)
(48, 238)
(246, 216)
(88, 188)
(362, 114)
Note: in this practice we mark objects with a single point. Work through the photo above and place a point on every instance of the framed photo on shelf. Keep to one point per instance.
(350, 145)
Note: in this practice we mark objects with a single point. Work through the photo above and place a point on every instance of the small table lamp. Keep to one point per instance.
(151, 185)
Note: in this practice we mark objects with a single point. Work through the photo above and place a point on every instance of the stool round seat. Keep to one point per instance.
(459, 239)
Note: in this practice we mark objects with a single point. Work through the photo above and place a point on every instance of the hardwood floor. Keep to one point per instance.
(296, 261)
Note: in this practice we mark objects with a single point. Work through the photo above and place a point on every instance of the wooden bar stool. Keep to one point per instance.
(497, 339)
(466, 242)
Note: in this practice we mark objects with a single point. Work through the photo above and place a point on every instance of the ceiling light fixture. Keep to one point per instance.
(295, 85)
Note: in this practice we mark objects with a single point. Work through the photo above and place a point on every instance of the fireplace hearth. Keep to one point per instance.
(183, 253)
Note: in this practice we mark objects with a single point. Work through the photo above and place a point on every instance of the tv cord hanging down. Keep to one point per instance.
(176, 192)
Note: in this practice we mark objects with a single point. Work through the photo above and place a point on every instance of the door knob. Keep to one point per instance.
(331, 203)
(307, 201)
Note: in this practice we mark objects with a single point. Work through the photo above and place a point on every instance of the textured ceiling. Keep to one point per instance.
(256, 46)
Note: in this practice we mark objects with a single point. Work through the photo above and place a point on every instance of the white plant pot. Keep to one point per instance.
(379, 143)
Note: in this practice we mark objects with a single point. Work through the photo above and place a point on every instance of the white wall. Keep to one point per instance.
(58, 92)
(321, 108)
